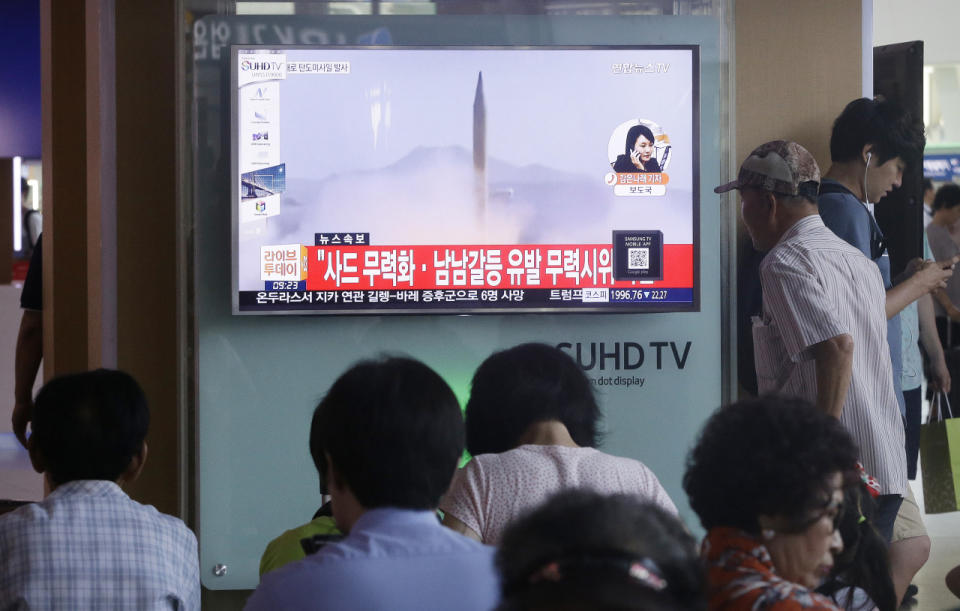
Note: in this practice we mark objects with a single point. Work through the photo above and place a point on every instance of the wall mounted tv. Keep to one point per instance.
(465, 180)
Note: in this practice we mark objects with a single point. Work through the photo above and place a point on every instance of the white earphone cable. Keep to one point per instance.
(866, 168)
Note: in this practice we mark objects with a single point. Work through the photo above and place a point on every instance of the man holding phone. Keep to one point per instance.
(872, 143)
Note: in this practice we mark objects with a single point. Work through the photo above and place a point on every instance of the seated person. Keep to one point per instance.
(392, 433)
(860, 580)
(293, 544)
(296, 543)
(582, 550)
(766, 478)
(532, 430)
(88, 545)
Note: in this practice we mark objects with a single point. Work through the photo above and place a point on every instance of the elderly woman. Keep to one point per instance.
(532, 427)
(767, 479)
(583, 550)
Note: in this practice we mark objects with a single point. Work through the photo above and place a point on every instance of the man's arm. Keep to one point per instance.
(806, 319)
(930, 276)
(834, 367)
(930, 341)
(26, 364)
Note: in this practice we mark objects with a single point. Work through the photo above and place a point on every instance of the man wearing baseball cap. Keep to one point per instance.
(822, 331)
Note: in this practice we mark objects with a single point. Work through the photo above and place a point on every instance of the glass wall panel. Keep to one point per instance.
(256, 380)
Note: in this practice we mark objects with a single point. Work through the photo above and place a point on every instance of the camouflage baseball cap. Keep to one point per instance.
(779, 166)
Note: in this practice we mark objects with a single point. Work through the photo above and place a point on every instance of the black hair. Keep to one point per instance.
(927, 185)
(891, 130)
(24, 185)
(393, 430)
(316, 450)
(581, 550)
(529, 383)
(635, 132)
(948, 196)
(89, 425)
(863, 562)
(768, 456)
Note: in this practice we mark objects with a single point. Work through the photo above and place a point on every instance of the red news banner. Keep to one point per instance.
(332, 268)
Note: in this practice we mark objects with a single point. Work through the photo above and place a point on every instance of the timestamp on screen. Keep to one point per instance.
(634, 295)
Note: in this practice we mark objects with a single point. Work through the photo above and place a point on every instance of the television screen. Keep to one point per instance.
(465, 180)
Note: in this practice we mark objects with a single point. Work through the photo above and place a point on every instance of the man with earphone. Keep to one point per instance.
(872, 142)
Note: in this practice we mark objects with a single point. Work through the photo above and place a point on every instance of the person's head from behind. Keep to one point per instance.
(946, 203)
(928, 192)
(525, 385)
(585, 550)
(90, 426)
(640, 143)
(863, 562)
(317, 453)
(878, 139)
(778, 184)
(775, 468)
(389, 433)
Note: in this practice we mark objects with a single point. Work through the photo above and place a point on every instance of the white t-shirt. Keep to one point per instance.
(493, 489)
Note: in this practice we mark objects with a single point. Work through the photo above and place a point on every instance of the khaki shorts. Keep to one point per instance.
(908, 523)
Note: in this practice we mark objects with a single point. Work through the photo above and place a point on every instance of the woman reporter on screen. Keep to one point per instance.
(767, 478)
(638, 152)
(531, 427)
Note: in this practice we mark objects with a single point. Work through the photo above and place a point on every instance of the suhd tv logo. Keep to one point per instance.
(261, 67)
(248, 65)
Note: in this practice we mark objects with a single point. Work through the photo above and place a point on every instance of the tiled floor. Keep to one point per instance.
(944, 531)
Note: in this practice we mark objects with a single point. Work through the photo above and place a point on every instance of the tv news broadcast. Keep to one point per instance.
(465, 180)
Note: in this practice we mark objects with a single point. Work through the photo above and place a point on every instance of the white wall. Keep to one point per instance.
(935, 22)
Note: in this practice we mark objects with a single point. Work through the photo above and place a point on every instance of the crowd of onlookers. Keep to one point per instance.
(775, 482)
(803, 493)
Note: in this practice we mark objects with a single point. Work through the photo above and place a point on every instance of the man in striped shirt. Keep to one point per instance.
(822, 333)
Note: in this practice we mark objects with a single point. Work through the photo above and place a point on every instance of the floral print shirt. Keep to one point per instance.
(741, 577)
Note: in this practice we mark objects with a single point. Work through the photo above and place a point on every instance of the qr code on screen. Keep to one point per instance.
(638, 258)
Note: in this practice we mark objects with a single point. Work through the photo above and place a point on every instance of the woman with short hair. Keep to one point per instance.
(639, 152)
(767, 478)
(531, 427)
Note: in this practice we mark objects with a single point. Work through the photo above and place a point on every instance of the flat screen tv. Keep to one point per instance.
(465, 180)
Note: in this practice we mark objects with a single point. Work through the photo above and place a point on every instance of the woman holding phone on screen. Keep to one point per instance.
(638, 152)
